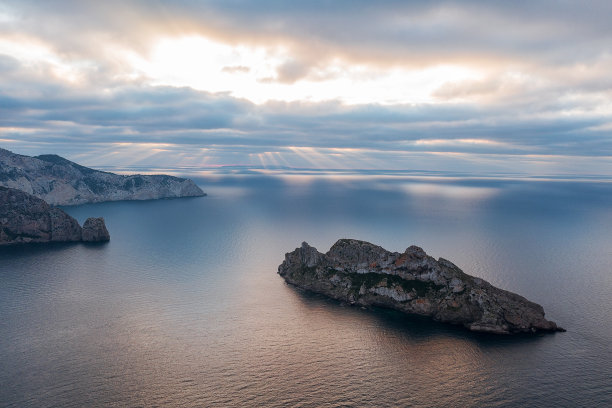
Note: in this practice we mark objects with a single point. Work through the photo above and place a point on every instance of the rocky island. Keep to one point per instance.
(59, 181)
(28, 219)
(412, 282)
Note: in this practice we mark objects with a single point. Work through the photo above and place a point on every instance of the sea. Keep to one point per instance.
(184, 306)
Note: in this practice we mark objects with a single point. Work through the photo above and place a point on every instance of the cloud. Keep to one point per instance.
(468, 89)
(236, 68)
(542, 39)
(450, 80)
(184, 116)
(388, 32)
(8, 64)
(291, 71)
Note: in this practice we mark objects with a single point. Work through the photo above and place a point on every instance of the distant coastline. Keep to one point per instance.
(59, 181)
(31, 187)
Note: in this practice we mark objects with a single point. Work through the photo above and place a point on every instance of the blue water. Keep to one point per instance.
(184, 307)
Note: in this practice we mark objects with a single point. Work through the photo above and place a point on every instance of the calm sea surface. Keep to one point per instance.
(184, 307)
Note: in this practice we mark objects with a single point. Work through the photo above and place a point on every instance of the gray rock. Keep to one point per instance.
(64, 228)
(94, 230)
(412, 282)
(61, 182)
(25, 219)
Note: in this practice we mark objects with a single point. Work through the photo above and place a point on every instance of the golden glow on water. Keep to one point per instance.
(183, 307)
(448, 191)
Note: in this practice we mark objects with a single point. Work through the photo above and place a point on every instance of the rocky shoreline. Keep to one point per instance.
(412, 282)
(28, 219)
(30, 187)
(59, 181)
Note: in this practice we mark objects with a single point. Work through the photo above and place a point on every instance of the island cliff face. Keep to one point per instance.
(25, 218)
(61, 182)
(412, 282)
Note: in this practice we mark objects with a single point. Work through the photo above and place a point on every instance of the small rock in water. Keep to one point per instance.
(94, 230)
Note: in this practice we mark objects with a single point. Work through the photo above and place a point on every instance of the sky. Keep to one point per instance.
(480, 87)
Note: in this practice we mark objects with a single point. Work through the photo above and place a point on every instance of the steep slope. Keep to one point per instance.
(61, 182)
(25, 218)
(412, 282)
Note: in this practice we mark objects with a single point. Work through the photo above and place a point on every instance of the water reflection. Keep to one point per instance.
(183, 306)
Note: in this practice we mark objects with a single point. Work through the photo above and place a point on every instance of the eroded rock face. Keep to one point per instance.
(25, 218)
(61, 182)
(64, 228)
(412, 282)
(94, 230)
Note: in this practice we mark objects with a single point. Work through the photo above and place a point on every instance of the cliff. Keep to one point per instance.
(412, 282)
(25, 218)
(61, 182)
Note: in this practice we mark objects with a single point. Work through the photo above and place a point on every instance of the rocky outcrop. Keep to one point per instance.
(61, 182)
(64, 228)
(25, 218)
(361, 273)
(94, 230)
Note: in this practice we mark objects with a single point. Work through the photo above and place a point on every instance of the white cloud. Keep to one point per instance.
(463, 85)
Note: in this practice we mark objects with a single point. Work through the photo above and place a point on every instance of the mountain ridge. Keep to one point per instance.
(60, 181)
